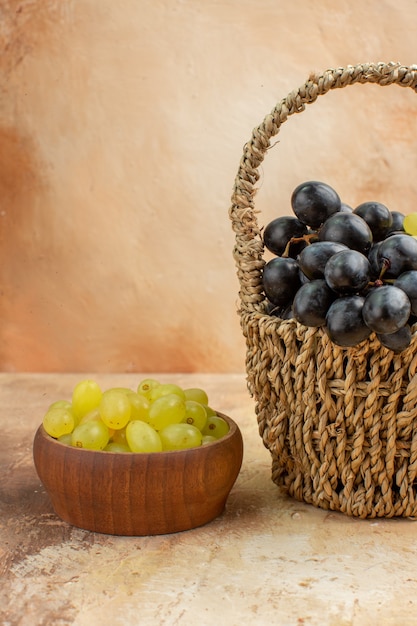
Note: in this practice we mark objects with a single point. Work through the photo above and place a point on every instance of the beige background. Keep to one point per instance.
(121, 130)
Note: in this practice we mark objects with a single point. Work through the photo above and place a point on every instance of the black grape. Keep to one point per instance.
(377, 216)
(280, 231)
(284, 313)
(373, 260)
(399, 252)
(349, 229)
(407, 281)
(344, 322)
(398, 341)
(386, 309)
(312, 260)
(348, 271)
(303, 277)
(397, 222)
(281, 280)
(311, 303)
(313, 202)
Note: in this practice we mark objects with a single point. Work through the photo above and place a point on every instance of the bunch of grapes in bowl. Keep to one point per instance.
(351, 271)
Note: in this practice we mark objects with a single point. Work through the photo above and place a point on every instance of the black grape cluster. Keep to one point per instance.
(350, 271)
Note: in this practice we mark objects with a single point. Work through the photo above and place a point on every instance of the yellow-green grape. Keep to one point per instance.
(86, 396)
(94, 414)
(61, 404)
(210, 412)
(208, 439)
(58, 421)
(139, 406)
(141, 437)
(113, 446)
(123, 389)
(115, 408)
(146, 385)
(169, 409)
(93, 435)
(410, 224)
(195, 414)
(119, 436)
(65, 438)
(216, 426)
(165, 390)
(180, 437)
(196, 394)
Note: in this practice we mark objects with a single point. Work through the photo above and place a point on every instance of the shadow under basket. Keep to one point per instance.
(340, 423)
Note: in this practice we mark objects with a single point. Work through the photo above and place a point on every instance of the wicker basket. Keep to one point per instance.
(340, 423)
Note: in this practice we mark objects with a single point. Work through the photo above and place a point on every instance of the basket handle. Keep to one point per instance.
(249, 248)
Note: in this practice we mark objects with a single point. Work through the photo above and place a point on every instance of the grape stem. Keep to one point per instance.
(307, 238)
(386, 264)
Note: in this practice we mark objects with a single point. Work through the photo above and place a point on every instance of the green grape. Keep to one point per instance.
(58, 421)
(146, 385)
(410, 224)
(195, 414)
(165, 390)
(93, 435)
(113, 446)
(85, 397)
(139, 406)
(180, 436)
(216, 426)
(141, 437)
(196, 394)
(208, 439)
(66, 438)
(115, 408)
(169, 409)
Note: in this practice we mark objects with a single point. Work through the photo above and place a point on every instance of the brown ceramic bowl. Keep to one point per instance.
(139, 493)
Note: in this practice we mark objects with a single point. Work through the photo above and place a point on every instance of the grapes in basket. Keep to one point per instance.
(153, 418)
(352, 271)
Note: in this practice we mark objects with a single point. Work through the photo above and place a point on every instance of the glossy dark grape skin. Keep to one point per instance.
(400, 251)
(349, 229)
(312, 260)
(311, 303)
(348, 271)
(407, 281)
(386, 309)
(281, 280)
(398, 341)
(303, 277)
(377, 216)
(344, 322)
(313, 202)
(397, 222)
(284, 313)
(278, 233)
(373, 260)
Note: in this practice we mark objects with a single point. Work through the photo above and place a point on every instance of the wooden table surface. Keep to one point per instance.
(266, 560)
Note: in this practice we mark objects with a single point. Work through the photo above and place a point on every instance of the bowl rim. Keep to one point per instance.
(233, 428)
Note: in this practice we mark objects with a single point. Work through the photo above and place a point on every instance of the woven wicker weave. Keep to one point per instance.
(340, 423)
